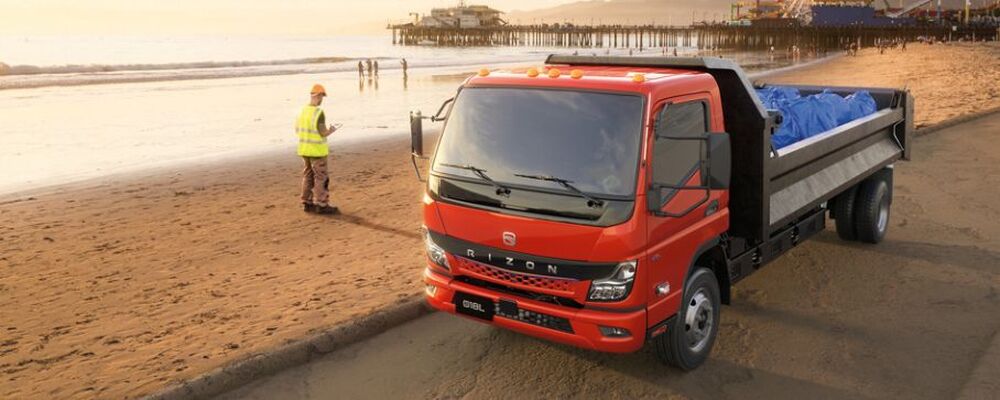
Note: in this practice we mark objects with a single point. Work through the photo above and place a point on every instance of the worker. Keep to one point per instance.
(312, 131)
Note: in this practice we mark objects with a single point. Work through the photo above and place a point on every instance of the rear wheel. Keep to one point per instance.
(872, 210)
(843, 213)
(689, 339)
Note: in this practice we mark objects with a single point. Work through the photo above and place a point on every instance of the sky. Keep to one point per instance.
(228, 17)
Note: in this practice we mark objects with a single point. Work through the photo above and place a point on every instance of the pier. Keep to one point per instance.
(700, 36)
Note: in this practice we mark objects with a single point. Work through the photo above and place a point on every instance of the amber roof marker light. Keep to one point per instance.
(484, 72)
(532, 72)
(576, 74)
(554, 73)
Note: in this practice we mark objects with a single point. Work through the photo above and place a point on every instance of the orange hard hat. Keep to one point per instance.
(318, 89)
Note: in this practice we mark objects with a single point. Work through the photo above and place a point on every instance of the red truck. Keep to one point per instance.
(606, 202)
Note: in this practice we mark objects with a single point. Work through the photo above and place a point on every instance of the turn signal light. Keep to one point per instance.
(554, 73)
(532, 72)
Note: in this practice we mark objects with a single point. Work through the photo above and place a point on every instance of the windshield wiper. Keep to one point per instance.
(501, 189)
(591, 201)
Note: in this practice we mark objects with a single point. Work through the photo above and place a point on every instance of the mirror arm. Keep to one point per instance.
(437, 117)
(413, 159)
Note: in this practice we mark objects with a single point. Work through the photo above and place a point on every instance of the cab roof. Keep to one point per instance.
(595, 77)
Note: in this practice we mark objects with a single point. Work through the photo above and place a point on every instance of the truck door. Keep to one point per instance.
(676, 232)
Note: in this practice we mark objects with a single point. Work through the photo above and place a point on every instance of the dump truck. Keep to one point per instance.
(611, 202)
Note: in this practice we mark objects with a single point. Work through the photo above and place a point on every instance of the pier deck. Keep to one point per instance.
(703, 37)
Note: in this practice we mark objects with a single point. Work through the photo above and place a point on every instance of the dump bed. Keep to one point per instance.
(771, 188)
(811, 171)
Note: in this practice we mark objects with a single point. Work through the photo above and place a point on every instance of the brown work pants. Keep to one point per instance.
(315, 182)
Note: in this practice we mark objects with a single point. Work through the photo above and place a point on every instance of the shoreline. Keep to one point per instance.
(194, 164)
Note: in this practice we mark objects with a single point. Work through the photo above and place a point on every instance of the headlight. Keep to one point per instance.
(436, 253)
(616, 287)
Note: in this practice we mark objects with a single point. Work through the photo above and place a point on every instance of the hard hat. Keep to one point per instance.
(318, 89)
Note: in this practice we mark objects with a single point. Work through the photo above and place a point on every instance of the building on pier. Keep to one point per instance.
(463, 16)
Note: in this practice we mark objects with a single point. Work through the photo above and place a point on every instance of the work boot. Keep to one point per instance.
(326, 210)
(309, 208)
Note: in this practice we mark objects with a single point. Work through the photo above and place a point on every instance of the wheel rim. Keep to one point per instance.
(883, 216)
(699, 320)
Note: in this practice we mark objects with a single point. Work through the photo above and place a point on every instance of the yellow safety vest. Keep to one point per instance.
(311, 143)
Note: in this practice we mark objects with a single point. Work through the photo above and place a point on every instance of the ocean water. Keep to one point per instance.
(61, 60)
(154, 103)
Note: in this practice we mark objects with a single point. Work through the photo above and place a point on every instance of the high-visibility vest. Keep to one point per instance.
(311, 143)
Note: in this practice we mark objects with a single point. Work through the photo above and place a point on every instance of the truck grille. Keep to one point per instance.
(535, 318)
(560, 286)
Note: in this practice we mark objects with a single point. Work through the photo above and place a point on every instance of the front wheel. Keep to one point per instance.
(689, 339)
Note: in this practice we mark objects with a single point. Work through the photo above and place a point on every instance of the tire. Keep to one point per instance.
(843, 214)
(872, 210)
(681, 347)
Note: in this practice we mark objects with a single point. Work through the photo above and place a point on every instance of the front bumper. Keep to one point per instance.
(585, 323)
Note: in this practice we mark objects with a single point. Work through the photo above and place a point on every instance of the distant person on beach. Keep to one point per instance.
(312, 131)
(376, 68)
(371, 74)
(361, 70)
(405, 66)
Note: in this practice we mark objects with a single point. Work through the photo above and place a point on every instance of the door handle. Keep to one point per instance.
(712, 208)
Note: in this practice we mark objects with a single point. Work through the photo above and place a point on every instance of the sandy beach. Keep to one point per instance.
(116, 287)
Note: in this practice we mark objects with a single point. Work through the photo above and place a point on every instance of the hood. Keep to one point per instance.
(536, 237)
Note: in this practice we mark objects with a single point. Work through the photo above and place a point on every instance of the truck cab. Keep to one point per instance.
(589, 202)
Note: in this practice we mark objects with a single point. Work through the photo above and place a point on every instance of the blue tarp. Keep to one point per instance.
(808, 116)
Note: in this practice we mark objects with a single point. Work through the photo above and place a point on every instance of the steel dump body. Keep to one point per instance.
(812, 170)
(486, 252)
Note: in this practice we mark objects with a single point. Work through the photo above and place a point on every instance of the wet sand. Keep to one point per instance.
(118, 286)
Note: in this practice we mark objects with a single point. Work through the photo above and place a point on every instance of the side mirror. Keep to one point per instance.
(720, 161)
(417, 134)
(715, 167)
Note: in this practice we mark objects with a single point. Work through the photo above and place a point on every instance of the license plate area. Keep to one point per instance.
(507, 308)
(474, 306)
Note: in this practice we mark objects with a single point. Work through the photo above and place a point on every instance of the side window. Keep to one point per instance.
(676, 160)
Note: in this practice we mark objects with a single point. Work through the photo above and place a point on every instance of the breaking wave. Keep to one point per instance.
(12, 70)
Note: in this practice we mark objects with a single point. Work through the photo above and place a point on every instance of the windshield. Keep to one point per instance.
(589, 139)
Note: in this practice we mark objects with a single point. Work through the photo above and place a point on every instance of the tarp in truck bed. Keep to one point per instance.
(808, 116)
